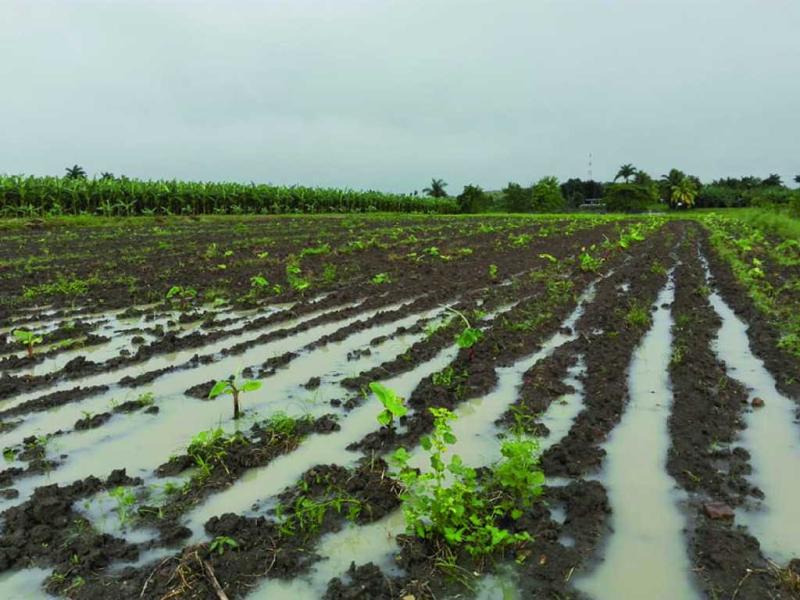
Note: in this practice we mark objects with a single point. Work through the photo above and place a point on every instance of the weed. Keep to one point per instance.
(221, 543)
(588, 262)
(493, 272)
(125, 500)
(381, 278)
(637, 315)
(450, 502)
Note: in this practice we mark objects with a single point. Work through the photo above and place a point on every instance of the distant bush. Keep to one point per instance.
(719, 196)
(517, 198)
(546, 195)
(627, 197)
(472, 200)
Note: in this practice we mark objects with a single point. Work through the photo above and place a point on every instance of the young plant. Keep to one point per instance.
(28, 339)
(493, 272)
(125, 500)
(234, 387)
(451, 503)
(393, 405)
(221, 543)
(381, 278)
(181, 296)
(588, 262)
(470, 335)
(294, 275)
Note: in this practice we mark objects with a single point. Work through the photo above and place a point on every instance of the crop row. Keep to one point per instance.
(55, 196)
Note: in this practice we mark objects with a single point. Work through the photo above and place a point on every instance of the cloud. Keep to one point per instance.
(387, 94)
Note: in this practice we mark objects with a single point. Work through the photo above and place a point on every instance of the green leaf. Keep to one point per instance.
(449, 438)
(221, 387)
(385, 417)
(251, 386)
(468, 337)
(390, 400)
(426, 443)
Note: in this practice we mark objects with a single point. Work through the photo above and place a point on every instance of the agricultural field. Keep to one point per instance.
(399, 406)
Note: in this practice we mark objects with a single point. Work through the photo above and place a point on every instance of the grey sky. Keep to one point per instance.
(387, 94)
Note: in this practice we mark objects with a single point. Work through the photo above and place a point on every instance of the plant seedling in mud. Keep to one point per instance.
(588, 262)
(221, 543)
(181, 296)
(393, 405)
(381, 278)
(453, 503)
(209, 448)
(492, 272)
(234, 387)
(28, 339)
(294, 275)
(470, 335)
(125, 500)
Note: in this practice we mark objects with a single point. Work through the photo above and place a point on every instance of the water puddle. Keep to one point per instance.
(561, 414)
(474, 428)
(261, 484)
(23, 584)
(645, 556)
(772, 437)
(139, 441)
(375, 542)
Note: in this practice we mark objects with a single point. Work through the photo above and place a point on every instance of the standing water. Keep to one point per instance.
(771, 437)
(645, 556)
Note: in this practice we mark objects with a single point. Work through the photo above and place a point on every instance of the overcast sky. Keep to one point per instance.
(387, 94)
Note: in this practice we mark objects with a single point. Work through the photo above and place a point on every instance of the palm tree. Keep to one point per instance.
(683, 193)
(626, 172)
(107, 175)
(773, 179)
(797, 178)
(437, 189)
(75, 172)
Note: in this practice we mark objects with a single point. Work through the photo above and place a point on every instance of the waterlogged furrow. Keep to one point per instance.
(477, 444)
(475, 427)
(177, 358)
(643, 498)
(262, 484)
(154, 438)
(772, 438)
(219, 341)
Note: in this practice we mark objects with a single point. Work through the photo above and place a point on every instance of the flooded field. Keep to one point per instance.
(600, 397)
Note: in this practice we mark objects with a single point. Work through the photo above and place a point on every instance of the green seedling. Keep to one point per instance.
(588, 262)
(181, 296)
(234, 387)
(125, 500)
(492, 272)
(470, 335)
(452, 503)
(393, 405)
(258, 282)
(381, 278)
(549, 257)
(221, 543)
(294, 275)
(28, 339)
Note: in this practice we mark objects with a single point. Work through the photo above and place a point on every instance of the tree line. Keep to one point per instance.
(631, 190)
